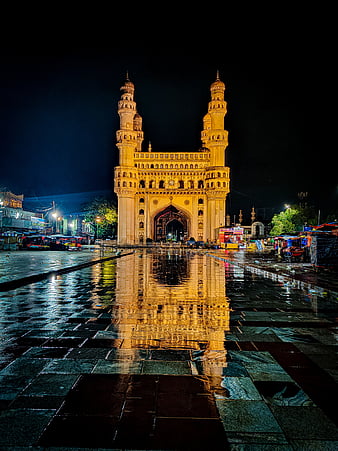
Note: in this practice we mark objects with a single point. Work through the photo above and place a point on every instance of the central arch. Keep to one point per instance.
(170, 224)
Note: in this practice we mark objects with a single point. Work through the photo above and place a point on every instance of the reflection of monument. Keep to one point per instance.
(171, 195)
(193, 314)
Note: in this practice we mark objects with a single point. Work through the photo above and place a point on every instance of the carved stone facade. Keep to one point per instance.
(171, 195)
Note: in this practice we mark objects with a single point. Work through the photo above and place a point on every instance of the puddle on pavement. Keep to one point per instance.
(170, 300)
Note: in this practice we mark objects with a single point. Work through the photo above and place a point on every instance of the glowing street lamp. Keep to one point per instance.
(97, 221)
(54, 216)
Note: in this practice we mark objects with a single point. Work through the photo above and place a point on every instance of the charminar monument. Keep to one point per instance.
(171, 195)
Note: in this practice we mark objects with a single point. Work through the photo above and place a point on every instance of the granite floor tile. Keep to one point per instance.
(305, 423)
(190, 433)
(187, 405)
(283, 393)
(50, 384)
(69, 366)
(249, 441)
(240, 388)
(118, 366)
(94, 402)
(25, 366)
(73, 431)
(108, 383)
(22, 427)
(46, 352)
(106, 343)
(135, 431)
(63, 342)
(182, 384)
(12, 385)
(253, 357)
(314, 445)
(233, 369)
(37, 402)
(138, 405)
(88, 353)
(163, 367)
(267, 372)
(247, 416)
(128, 354)
(169, 355)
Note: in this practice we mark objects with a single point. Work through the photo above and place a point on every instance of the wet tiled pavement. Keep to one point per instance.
(168, 350)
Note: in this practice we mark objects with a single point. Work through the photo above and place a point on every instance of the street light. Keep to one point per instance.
(54, 216)
(97, 221)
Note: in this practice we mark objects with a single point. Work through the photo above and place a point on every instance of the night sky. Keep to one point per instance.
(59, 95)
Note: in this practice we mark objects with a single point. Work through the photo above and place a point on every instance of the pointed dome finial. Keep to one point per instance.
(217, 75)
(127, 76)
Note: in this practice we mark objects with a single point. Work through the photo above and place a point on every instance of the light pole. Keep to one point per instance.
(97, 221)
(54, 215)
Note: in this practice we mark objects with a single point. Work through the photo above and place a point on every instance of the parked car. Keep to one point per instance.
(191, 242)
(200, 244)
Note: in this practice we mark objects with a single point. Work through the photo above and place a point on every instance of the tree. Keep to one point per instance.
(293, 219)
(101, 213)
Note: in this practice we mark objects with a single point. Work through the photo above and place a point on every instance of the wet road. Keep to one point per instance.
(166, 350)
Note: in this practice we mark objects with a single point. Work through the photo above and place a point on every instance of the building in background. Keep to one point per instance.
(14, 219)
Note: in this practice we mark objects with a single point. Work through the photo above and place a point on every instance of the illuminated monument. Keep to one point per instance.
(171, 194)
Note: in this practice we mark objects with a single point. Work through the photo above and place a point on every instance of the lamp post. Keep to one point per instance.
(97, 221)
(54, 216)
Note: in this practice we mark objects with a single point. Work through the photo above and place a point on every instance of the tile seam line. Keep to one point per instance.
(246, 265)
(17, 283)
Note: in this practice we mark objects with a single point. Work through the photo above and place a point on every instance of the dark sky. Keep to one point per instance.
(59, 94)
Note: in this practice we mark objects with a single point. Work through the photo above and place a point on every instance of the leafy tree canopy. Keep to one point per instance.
(293, 219)
(101, 213)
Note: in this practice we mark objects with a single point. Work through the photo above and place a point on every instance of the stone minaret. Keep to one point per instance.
(129, 140)
(215, 138)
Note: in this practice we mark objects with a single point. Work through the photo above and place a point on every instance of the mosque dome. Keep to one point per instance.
(217, 84)
(128, 85)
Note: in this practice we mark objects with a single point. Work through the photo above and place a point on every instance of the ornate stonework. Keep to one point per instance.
(175, 195)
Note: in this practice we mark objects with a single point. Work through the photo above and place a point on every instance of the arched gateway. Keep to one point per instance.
(171, 195)
(170, 224)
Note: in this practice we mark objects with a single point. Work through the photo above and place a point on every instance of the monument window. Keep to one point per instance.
(200, 201)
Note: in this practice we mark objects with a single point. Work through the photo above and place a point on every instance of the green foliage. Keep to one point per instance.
(102, 215)
(292, 220)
